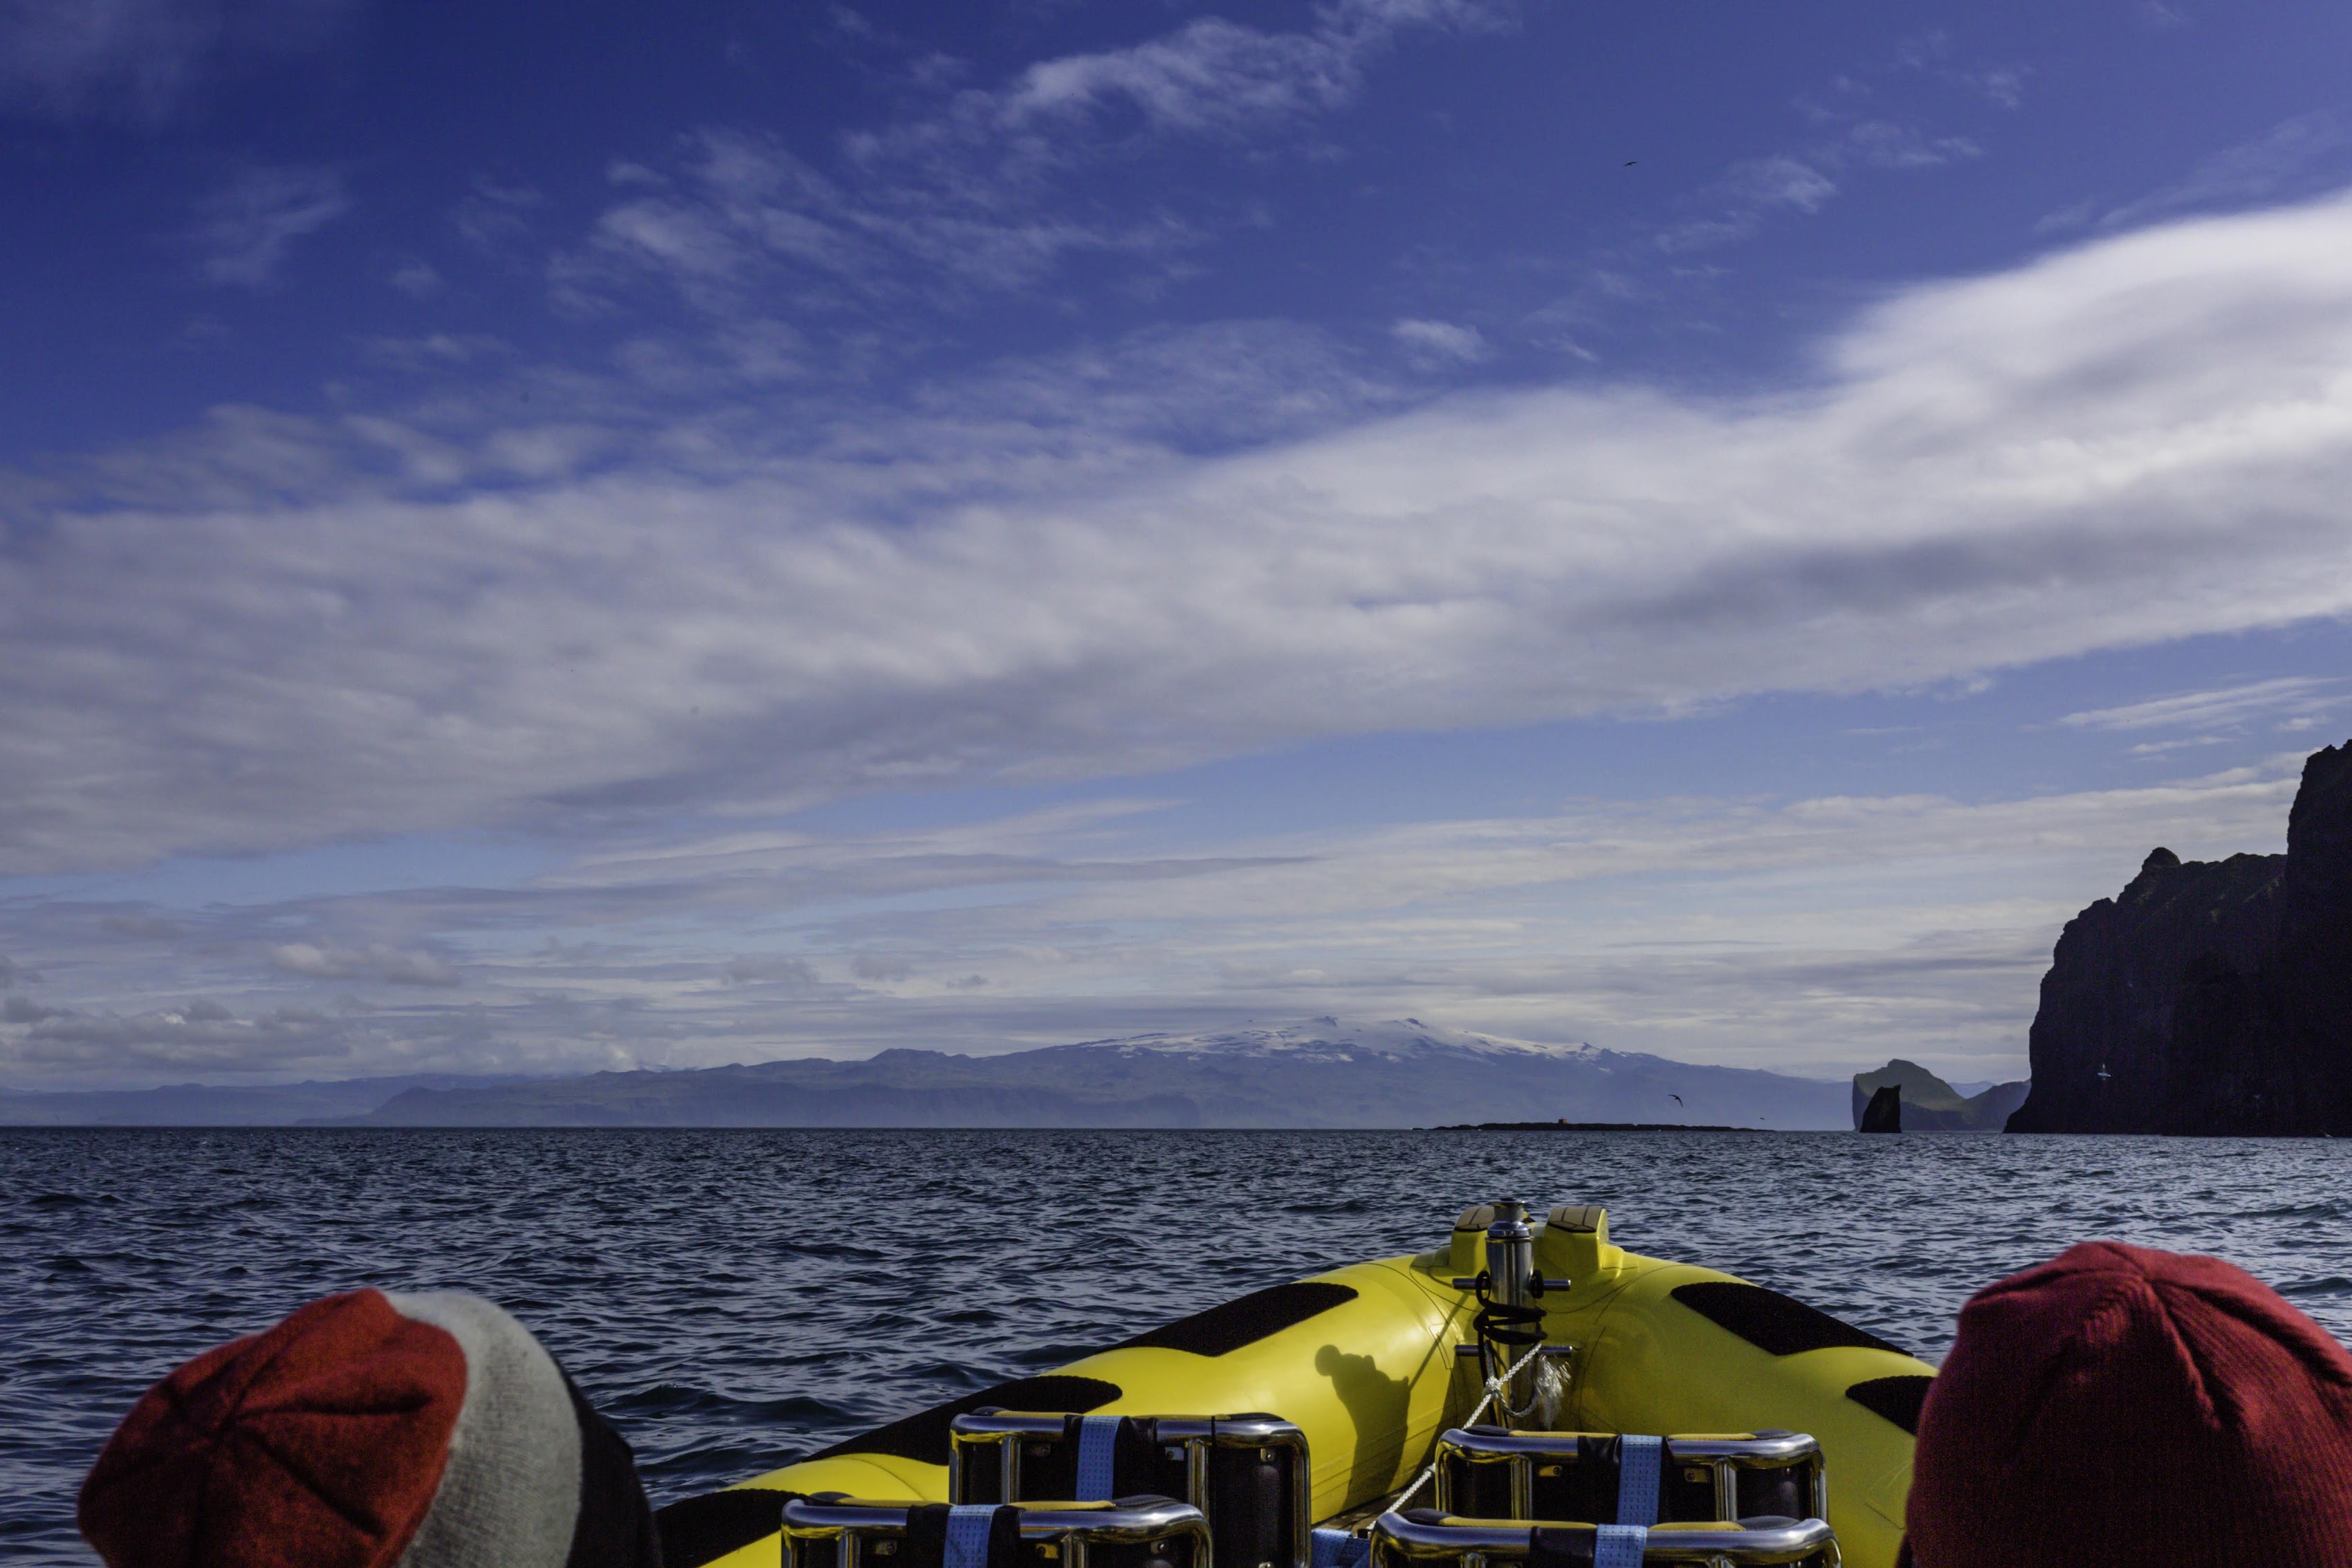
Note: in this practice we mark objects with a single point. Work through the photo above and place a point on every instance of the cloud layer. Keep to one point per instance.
(1802, 936)
(276, 632)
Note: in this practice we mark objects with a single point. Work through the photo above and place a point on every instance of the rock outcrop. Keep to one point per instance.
(1905, 1097)
(2209, 996)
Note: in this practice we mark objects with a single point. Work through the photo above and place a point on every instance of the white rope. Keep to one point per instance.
(1494, 1387)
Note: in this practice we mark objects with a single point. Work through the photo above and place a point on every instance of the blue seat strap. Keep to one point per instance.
(1097, 1447)
(1340, 1549)
(1619, 1546)
(1640, 1461)
(968, 1529)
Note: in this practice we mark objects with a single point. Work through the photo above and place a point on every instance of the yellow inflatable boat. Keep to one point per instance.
(1527, 1393)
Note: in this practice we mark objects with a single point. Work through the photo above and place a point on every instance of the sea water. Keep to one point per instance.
(732, 1300)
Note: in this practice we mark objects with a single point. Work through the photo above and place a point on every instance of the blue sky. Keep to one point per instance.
(545, 538)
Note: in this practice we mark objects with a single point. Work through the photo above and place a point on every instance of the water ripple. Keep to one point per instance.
(735, 1299)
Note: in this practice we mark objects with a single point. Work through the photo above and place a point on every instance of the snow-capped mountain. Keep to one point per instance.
(1329, 1039)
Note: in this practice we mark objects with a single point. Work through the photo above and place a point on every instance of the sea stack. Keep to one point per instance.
(2209, 996)
(1905, 1097)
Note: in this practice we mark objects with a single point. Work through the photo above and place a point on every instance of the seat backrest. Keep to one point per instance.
(1607, 1478)
(1424, 1538)
(830, 1530)
(1250, 1475)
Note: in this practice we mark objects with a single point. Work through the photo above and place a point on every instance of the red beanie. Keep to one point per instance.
(368, 1430)
(2119, 1404)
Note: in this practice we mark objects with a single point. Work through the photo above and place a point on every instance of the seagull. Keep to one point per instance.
(1630, 162)
(1675, 1098)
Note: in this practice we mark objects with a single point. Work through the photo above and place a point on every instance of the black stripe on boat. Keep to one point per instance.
(613, 1526)
(1896, 1398)
(699, 1530)
(1775, 1323)
(923, 1436)
(1244, 1321)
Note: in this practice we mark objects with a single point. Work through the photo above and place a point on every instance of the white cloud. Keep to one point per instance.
(1884, 144)
(2142, 439)
(417, 280)
(1441, 340)
(1735, 206)
(1782, 182)
(1209, 76)
(2003, 85)
(2297, 695)
(2296, 156)
(958, 194)
(795, 973)
(142, 59)
(746, 218)
(244, 228)
(199, 1037)
(374, 962)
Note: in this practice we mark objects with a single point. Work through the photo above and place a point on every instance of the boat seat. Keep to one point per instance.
(1604, 1478)
(1248, 1475)
(1425, 1538)
(830, 1530)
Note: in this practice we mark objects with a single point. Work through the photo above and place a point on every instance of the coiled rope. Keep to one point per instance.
(1501, 1322)
(1495, 1391)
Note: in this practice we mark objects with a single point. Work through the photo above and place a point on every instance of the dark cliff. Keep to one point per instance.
(2209, 996)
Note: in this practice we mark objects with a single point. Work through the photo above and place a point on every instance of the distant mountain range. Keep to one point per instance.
(220, 1106)
(1319, 1072)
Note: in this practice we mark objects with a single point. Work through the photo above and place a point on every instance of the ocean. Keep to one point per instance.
(732, 1300)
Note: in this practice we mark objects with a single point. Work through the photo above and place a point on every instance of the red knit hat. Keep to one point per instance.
(2119, 1404)
(367, 1430)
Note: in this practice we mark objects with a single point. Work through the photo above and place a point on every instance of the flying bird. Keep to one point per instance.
(1675, 1098)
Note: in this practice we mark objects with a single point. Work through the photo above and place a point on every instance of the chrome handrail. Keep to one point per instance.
(1722, 1454)
(1400, 1541)
(858, 1524)
(1196, 1435)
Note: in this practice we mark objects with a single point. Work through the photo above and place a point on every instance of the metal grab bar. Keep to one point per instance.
(986, 1450)
(861, 1533)
(1724, 1456)
(1400, 1541)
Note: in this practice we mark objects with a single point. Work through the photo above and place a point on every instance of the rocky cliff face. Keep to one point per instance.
(2209, 996)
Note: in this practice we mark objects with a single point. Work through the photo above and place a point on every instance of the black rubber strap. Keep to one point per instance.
(1559, 1548)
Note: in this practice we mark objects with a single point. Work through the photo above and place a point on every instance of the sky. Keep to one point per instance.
(554, 538)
